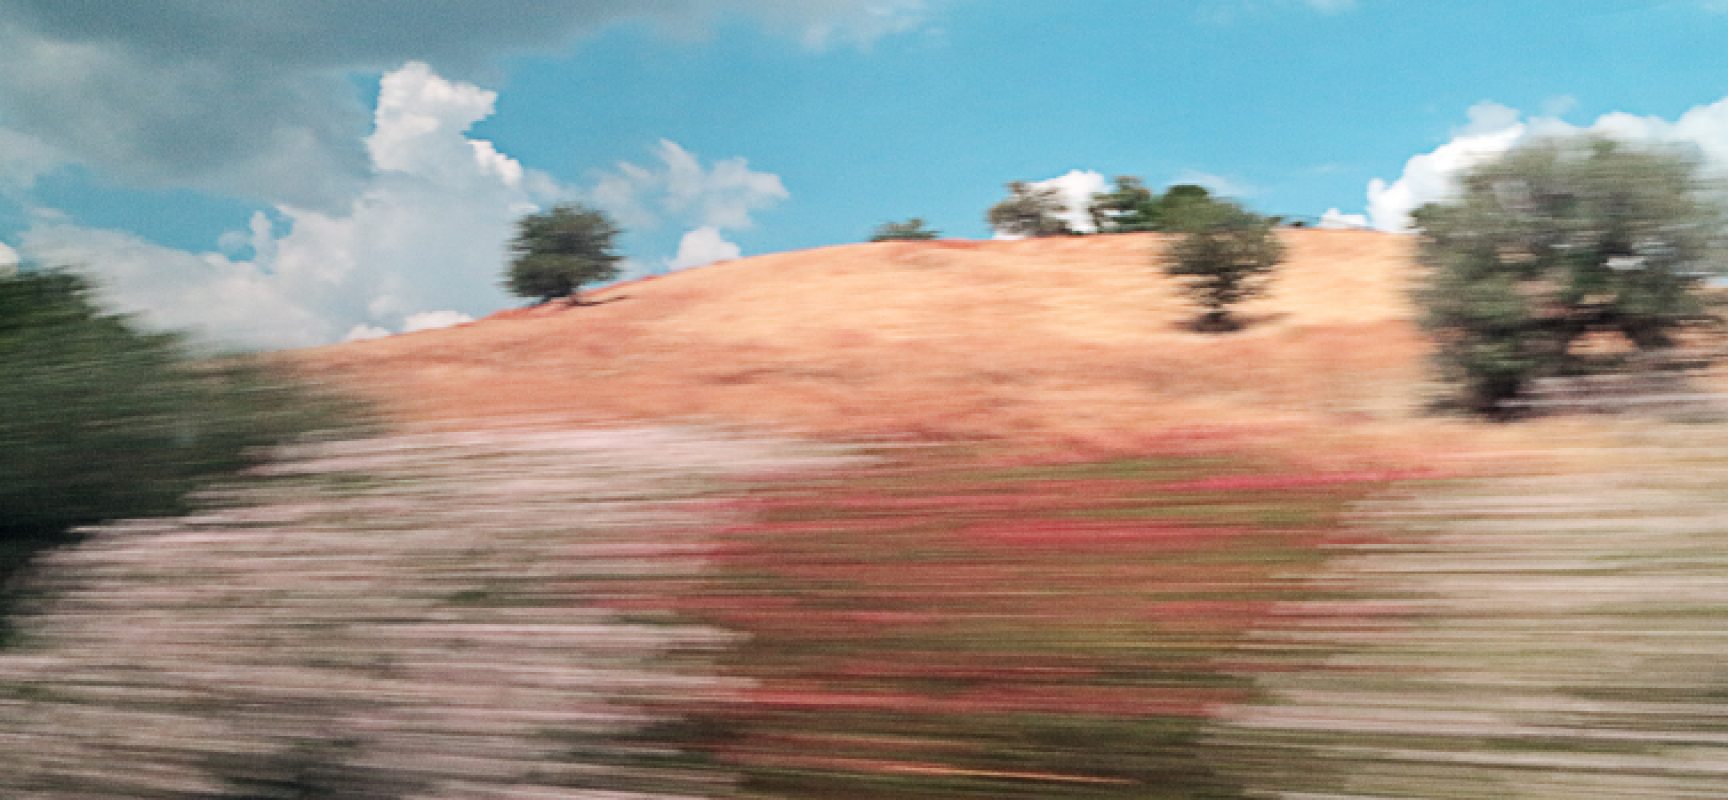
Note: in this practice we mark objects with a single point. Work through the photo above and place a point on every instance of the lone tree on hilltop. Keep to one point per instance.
(1554, 244)
(1224, 255)
(911, 230)
(556, 252)
(1030, 211)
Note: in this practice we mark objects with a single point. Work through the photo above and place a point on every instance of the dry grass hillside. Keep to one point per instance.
(1066, 342)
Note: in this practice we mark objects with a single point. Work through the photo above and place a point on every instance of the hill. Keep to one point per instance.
(1059, 341)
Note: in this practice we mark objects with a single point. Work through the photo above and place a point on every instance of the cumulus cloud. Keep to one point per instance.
(680, 189)
(1494, 128)
(433, 320)
(1334, 219)
(8, 258)
(1076, 188)
(702, 246)
(361, 333)
(177, 289)
(419, 247)
(252, 100)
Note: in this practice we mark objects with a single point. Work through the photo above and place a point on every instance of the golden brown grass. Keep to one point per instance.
(1052, 345)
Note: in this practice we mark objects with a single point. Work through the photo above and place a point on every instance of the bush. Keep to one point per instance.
(556, 252)
(911, 230)
(1132, 207)
(1553, 244)
(1224, 255)
(1029, 211)
(1127, 208)
(102, 421)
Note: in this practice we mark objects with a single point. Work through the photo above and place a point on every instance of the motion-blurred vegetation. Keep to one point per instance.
(1556, 246)
(104, 421)
(1224, 255)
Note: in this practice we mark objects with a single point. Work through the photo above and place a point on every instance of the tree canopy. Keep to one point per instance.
(1224, 255)
(557, 252)
(911, 230)
(1555, 242)
(1030, 211)
(1131, 207)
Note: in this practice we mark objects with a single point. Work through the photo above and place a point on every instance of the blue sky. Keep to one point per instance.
(235, 173)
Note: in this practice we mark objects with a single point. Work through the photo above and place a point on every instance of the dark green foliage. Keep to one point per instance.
(1029, 211)
(1129, 207)
(1554, 242)
(911, 230)
(556, 252)
(102, 421)
(1132, 207)
(1224, 256)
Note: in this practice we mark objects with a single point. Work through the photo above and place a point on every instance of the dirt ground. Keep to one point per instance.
(1056, 347)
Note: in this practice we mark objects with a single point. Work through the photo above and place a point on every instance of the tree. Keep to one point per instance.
(911, 230)
(556, 252)
(103, 421)
(1186, 206)
(1030, 211)
(1554, 244)
(1129, 207)
(1132, 207)
(1223, 256)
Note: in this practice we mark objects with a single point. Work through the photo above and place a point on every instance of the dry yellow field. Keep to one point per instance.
(1074, 345)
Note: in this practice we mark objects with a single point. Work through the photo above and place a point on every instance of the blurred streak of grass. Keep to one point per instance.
(937, 626)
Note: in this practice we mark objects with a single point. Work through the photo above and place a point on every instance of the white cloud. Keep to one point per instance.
(421, 245)
(433, 320)
(426, 232)
(8, 259)
(681, 190)
(1076, 188)
(702, 246)
(361, 333)
(1493, 129)
(1430, 176)
(255, 103)
(1334, 219)
(176, 289)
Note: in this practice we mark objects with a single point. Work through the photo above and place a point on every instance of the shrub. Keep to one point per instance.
(1133, 207)
(1224, 255)
(1029, 211)
(1127, 208)
(103, 421)
(1554, 243)
(911, 230)
(556, 252)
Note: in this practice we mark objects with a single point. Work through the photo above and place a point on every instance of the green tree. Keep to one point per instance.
(1132, 207)
(556, 252)
(1186, 206)
(912, 230)
(103, 421)
(1128, 207)
(1030, 211)
(1551, 243)
(1224, 255)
